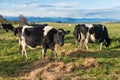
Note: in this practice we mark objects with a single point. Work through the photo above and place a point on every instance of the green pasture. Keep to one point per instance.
(12, 63)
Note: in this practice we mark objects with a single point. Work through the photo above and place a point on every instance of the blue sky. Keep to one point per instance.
(58, 8)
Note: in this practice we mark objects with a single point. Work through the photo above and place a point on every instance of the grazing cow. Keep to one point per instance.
(37, 25)
(42, 36)
(7, 27)
(86, 32)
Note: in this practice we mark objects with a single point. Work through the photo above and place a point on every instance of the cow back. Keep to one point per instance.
(33, 36)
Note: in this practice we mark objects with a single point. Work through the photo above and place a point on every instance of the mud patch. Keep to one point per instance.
(74, 52)
(52, 71)
(90, 62)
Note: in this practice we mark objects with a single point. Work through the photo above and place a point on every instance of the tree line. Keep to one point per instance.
(22, 20)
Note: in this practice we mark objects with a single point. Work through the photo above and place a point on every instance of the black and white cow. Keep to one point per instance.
(7, 27)
(93, 32)
(37, 25)
(41, 36)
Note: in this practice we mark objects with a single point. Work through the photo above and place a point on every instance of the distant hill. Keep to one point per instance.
(64, 20)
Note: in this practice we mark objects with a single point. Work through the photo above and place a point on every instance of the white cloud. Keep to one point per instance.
(60, 9)
(46, 12)
(67, 4)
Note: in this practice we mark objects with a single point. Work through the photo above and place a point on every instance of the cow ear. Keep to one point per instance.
(67, 32)
(78, 25)
(6, 30)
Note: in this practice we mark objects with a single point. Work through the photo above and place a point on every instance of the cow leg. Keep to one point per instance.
(20, 44)
(82, 37)
(44, 53)
(56, 51)
(76, 43)
(23, 49)
(81, 44)
(86, 44)
(101, 46)
(86, 41)
(55, 54)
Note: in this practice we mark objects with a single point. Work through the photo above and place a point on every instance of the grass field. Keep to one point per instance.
(13, 65)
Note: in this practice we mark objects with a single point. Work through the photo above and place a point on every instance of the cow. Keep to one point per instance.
(93, 32)
(45, 37)
(7, 27)
(39, 25)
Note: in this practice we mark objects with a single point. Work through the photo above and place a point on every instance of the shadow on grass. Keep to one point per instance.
(15, 68)
(96, 54)
(115, 47)
(11, 68)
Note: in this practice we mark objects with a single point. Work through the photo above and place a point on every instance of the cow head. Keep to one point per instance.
(59, 37)
(17, 30)
(108, 42)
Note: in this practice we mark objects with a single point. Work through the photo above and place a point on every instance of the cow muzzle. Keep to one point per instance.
(61, 44)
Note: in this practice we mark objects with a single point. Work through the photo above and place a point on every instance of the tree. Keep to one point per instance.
(2, 19)
(22, 20)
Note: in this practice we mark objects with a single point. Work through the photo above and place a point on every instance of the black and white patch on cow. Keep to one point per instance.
(47, 29)
(93, 32)
(43, 36)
